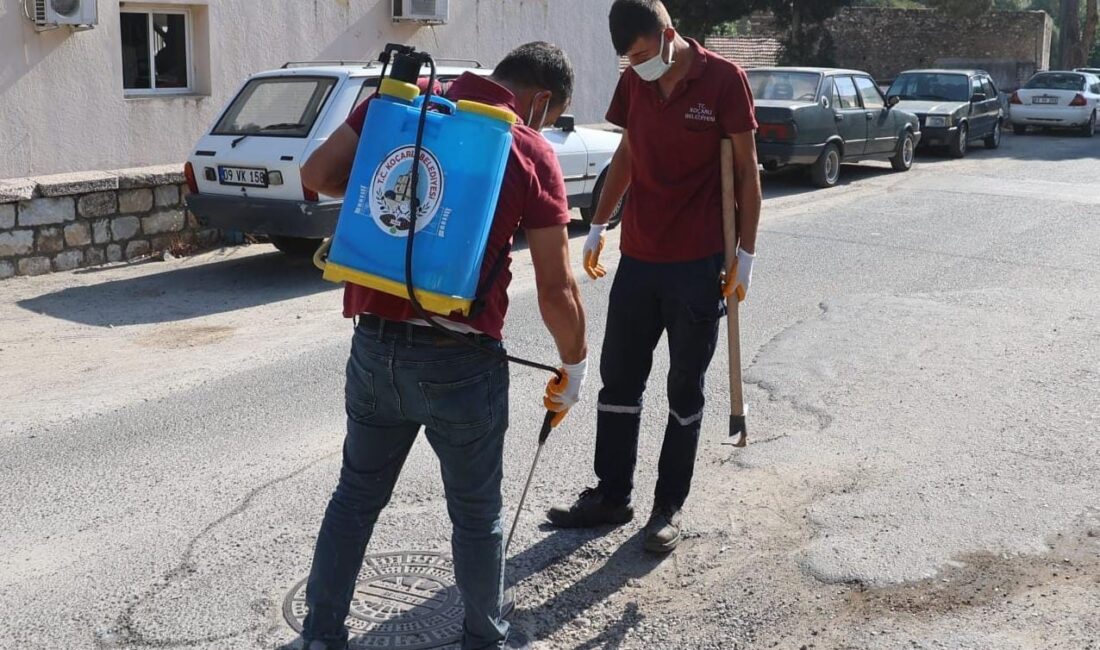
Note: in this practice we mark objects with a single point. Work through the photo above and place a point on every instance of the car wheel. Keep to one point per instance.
(993, 140)
(1019, 129)
(826, 171)
(296, 246)
(902, 159)
(590, 212)
(1090, 129)
(962, 141)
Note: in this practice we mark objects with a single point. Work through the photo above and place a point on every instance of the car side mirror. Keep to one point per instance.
(567, 123)
(893, 100)
(824, 102)
(979, 97)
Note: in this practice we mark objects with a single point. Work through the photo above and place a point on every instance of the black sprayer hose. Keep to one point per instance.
(414, 208)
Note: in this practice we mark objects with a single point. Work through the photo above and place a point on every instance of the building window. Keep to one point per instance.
(156, 52)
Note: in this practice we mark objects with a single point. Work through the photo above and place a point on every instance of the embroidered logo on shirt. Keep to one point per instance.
(700, 113)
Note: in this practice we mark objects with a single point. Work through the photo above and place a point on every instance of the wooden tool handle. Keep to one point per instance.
(729, 228)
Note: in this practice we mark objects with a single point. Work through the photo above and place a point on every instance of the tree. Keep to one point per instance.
(1079, 40)
(806, 40)
(700, 18)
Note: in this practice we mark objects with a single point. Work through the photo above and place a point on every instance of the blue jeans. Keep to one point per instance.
(683, 299)
(401, 378)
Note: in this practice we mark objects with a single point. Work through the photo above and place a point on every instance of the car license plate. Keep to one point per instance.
(243, 176)
(1044, 100)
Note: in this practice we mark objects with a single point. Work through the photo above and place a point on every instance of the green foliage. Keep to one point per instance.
(701, 18)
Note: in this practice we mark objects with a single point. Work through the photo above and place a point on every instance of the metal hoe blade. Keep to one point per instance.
(740, 428)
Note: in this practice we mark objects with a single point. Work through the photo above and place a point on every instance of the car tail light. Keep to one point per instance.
(1015, 99)
(1079, 100)
(776, 132)
(309, 194)
(189, 174)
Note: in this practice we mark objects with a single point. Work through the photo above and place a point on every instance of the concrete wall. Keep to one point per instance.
(61, 99)
(1011, 45)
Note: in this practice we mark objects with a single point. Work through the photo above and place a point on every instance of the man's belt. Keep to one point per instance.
(412, 332)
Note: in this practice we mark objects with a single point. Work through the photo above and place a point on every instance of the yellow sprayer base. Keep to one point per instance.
(433, 302)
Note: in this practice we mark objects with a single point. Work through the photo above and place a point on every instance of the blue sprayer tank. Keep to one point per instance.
(465, 152)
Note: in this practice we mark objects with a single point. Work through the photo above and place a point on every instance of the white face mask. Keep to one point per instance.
(531, 116)
(655, 68)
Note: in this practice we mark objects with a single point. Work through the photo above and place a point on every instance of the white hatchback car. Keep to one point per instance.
(245, 172)
(1062, 100)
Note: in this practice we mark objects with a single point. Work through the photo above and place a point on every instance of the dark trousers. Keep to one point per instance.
(647, 299)
(400, 379)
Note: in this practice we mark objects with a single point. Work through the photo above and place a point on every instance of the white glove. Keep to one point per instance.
(564, 394)
(744, 271)
(593, 247)
(737, 279)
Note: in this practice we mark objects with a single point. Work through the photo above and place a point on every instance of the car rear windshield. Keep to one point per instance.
(779, 85)
(1056, 81)
(931, 87)
(277, 106)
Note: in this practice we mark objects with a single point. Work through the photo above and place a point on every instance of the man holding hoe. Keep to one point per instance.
(676, 103)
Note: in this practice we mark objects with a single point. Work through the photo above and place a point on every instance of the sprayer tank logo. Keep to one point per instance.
(391, 189)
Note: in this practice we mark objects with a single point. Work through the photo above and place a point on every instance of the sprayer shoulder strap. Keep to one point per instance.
(486, 285)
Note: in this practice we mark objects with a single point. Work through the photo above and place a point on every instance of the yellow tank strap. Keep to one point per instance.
(502, 114)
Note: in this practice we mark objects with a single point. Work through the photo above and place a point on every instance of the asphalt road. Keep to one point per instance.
(923, 359)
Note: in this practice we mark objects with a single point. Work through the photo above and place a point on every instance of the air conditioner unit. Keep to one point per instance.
(76, 13)
(433, 12)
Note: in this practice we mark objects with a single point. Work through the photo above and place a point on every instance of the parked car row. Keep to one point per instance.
(245, 173)
(819, 118)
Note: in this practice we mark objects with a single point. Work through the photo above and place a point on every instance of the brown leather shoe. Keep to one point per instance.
(662, 532)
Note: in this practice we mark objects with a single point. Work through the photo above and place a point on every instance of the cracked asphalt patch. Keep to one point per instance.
(174, 595)
(921, 395)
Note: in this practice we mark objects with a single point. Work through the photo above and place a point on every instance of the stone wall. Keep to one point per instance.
(63, 222)
(1011, 45)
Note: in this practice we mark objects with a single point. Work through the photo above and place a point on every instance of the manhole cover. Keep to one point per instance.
(402, 600)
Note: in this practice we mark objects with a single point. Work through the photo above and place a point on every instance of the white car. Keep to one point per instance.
(245, 172)
(1063, 100)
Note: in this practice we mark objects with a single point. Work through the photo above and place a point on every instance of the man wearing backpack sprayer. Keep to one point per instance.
(676, 103)
(403, 375)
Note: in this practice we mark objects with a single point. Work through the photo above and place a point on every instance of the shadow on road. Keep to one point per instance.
(558, 546)
(1039, 146)
(184, 293)
(628, 562)
(795, 181)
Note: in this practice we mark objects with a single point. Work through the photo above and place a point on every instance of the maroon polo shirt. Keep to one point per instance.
(533, 196)
(674, 209)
